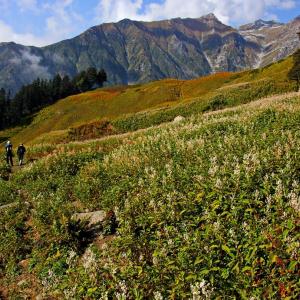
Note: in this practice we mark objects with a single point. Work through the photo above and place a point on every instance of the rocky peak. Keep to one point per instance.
(210, 16)
(211, 19)
(259, 24)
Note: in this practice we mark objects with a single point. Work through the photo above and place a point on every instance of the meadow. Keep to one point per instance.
(116, 110)
(206, 208)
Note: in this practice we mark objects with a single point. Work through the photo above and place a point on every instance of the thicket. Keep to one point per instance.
(42, 92)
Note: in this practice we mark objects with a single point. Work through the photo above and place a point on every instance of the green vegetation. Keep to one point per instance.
(130, 108)
(206, 208)
(4, 170)
(40, 93)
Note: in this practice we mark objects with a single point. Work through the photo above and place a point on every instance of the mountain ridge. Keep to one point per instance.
(137, 52)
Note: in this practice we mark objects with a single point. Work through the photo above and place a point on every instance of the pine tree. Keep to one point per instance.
(101, 77)
(92, 77)
(82, 82)
(67, 87)
(56, 87)
(294, 73)
(32, 97)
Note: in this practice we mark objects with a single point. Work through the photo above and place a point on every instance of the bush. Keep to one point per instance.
(8, 192)
(5, 171)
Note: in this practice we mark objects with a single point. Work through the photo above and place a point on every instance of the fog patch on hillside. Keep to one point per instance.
(31, 63)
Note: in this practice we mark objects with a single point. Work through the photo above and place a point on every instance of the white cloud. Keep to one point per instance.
(32, 63)
(233, 11)
(7, 34)
(25, 5)
(113, 10)
(59, 22)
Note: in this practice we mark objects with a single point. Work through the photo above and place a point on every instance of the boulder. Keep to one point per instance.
(93, 218)
(179, 119)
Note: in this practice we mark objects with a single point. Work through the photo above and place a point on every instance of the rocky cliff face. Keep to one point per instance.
(276, 40)
(134, 52)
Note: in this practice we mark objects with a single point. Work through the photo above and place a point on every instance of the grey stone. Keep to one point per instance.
(179, 119)
(93, 218)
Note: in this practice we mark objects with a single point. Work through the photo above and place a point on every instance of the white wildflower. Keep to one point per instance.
(158, 296)
(218, 183)
(294, 201)
(89, 260)
(155, 261)
(71, 257)
(216, 225)
(201, 291)
(104, 296)
(214, 167)
(279, 189)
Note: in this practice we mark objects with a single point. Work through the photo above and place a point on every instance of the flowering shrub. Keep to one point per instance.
(207, 209)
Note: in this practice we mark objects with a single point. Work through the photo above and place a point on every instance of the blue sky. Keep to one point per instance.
(37, 22)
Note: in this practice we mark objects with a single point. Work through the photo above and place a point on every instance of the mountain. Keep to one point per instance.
(136, 52)
(277, 40)
(259, 24)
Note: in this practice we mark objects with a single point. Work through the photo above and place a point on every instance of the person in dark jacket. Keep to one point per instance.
(21, 152)
(9, 153)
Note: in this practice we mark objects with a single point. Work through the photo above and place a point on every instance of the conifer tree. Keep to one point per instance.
(101, 77)
(56, 87)
(41, 92)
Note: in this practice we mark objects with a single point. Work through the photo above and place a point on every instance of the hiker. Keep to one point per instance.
(9, 153)
(21, 152)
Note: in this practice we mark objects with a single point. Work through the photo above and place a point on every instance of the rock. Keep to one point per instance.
(179, 119)
(98, 223)
(93, 218)
(39, 297)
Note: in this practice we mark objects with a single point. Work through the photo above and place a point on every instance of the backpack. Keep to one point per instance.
(21, 150)
(9, 148)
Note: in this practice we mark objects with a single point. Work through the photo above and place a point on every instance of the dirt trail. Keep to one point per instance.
(15, 168)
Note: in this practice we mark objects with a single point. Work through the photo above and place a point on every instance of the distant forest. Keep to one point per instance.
(40, 93)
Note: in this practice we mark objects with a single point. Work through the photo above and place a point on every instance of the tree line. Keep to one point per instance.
(42, 92)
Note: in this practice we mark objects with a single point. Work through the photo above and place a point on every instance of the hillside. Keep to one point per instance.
(174, 189)
(205, 208)
(121, 109)
(137, 52)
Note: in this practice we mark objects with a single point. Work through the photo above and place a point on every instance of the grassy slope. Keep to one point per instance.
(52, 123)
(211, 200)
(115, 102)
